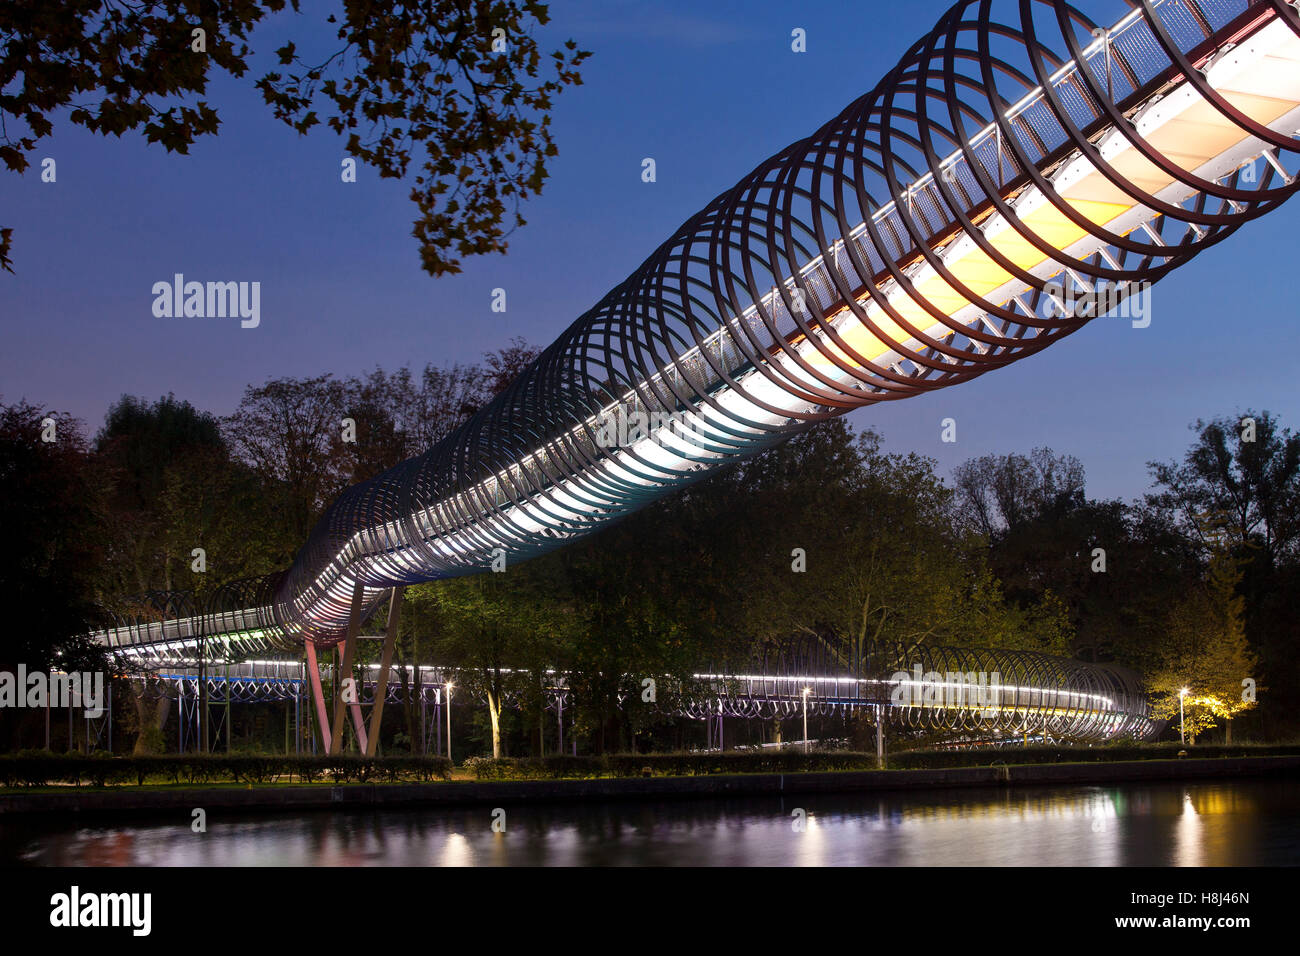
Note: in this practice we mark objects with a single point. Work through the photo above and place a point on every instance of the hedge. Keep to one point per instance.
(39, 768)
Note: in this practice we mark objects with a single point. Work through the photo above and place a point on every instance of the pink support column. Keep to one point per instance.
(345, 670)
(318, 695)
(358, 722)
(385, 666)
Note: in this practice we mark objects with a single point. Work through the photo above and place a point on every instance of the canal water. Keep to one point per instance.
(1218, 823)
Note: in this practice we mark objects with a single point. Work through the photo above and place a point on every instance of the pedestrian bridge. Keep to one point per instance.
(1025, 694)
(1018, 166)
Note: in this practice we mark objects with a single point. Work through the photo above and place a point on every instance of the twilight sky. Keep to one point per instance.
(708, 90)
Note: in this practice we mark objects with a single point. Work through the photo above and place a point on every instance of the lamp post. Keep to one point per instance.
(806, 691)
(450, 685)
(1182, 734)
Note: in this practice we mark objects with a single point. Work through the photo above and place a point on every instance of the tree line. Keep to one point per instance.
(827, 539)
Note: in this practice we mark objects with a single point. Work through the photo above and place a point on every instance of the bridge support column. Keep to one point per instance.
(385, 664)
(345, 669)
(880, 736)
(318, 695)
(354, 710)
(228, 750)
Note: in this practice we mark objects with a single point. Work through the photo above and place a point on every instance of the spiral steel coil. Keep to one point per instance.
(970, 210)
(952, 691)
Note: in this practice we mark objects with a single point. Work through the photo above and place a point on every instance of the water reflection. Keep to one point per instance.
(1187, 851)
(1206, 824)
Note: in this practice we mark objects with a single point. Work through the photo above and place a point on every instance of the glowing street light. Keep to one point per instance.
(806, 692)
(1182, 736)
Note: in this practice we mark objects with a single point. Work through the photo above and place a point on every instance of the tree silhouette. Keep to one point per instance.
(460, 79)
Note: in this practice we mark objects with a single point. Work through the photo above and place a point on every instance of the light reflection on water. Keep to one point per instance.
(1241, 822)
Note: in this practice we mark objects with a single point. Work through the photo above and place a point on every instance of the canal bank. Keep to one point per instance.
(300, 797)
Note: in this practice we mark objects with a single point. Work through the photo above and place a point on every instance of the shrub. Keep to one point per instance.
(40, 768)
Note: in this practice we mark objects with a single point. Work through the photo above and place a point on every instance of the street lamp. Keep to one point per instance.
(1182, 736)
(806, 691)
(450, 685)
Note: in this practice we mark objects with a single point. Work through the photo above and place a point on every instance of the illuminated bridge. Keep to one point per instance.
(958, 694)
(1020, 164)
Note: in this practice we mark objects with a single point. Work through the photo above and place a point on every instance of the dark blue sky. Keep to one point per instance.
(708, 90)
